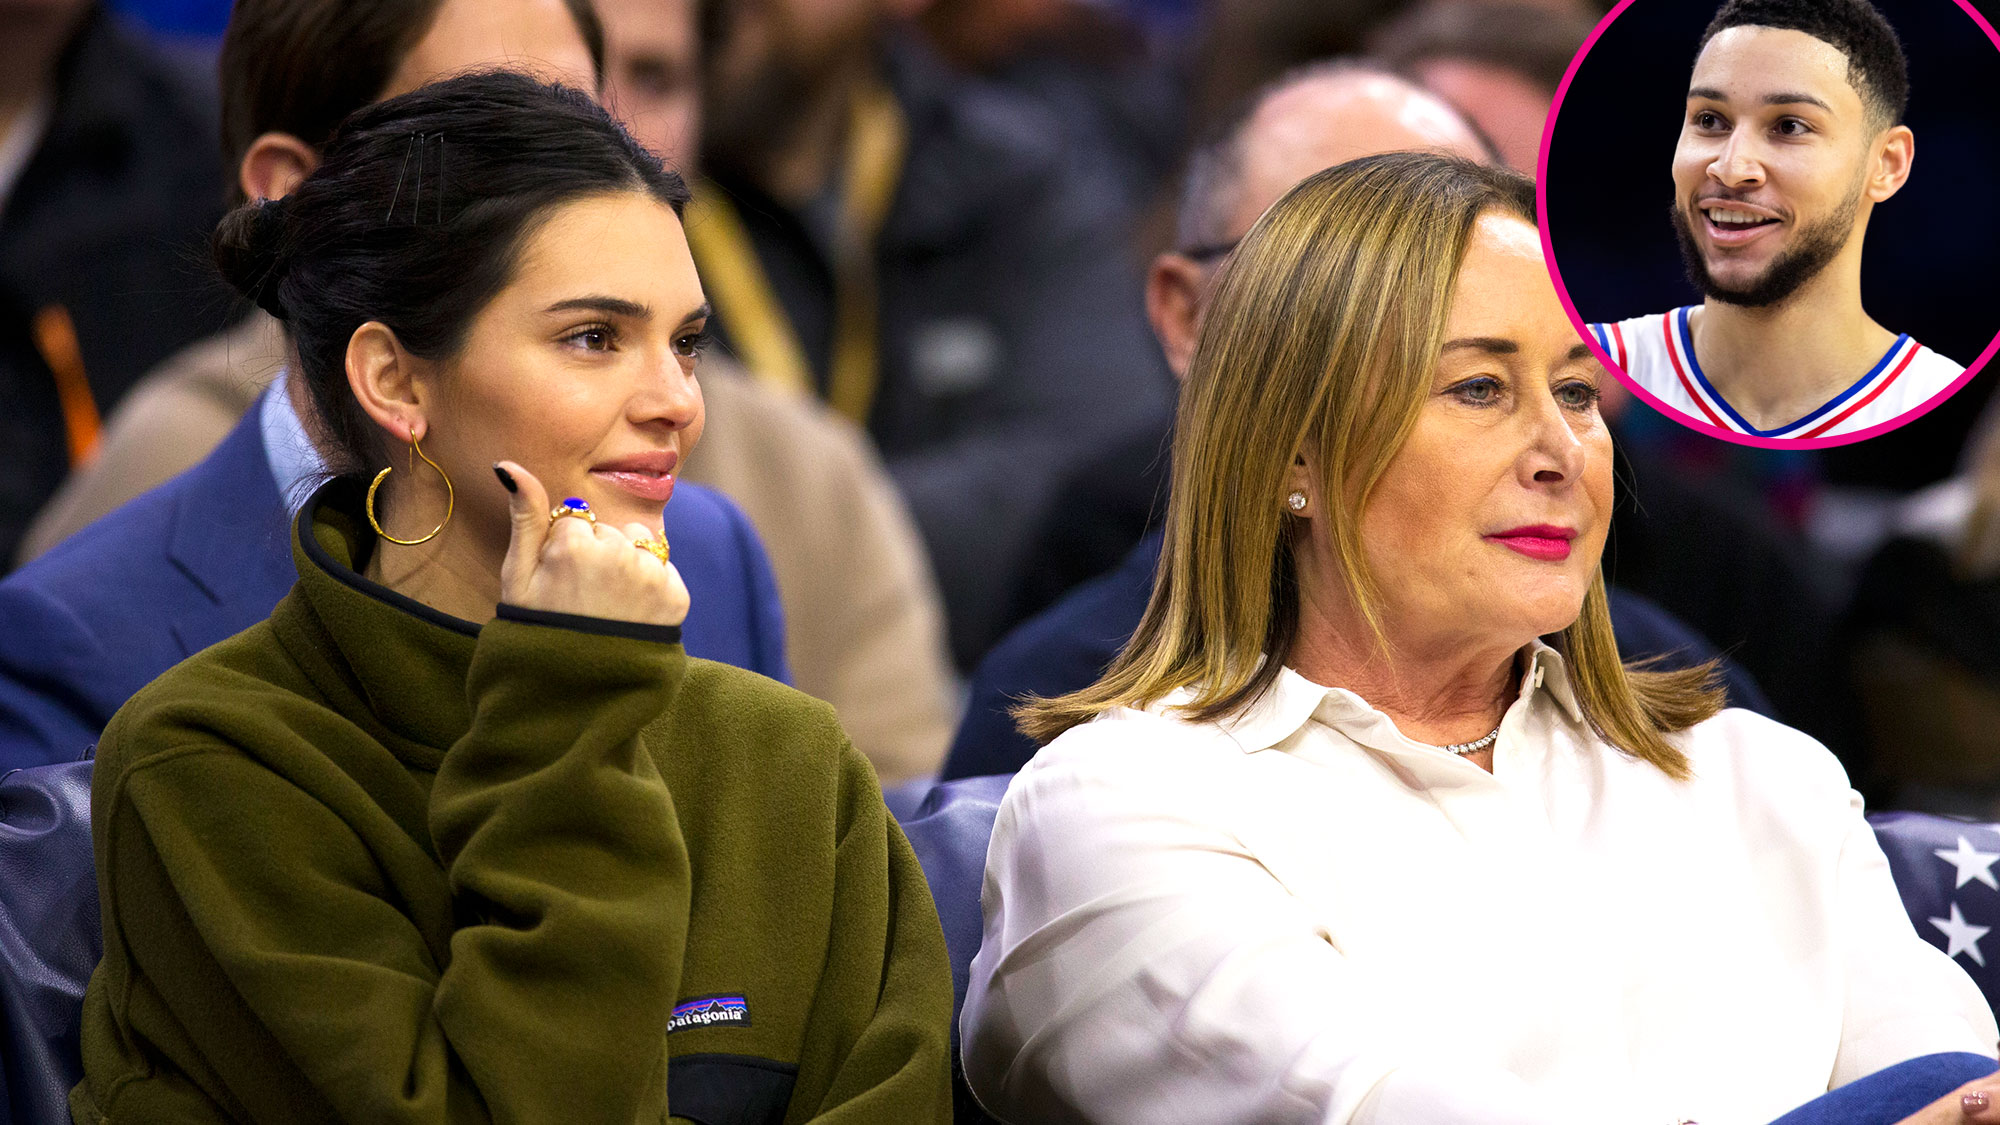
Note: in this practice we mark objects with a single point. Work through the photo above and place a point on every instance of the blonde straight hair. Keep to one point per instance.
(1323, 335)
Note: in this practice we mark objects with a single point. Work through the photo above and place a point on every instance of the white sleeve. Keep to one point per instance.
(1140, 965)
(1905, 998)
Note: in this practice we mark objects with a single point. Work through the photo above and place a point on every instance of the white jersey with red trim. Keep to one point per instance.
(1658, 353)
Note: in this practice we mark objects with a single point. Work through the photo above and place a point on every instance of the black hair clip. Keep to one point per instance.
(418, 143)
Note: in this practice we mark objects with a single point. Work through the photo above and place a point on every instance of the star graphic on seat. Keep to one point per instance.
(1962, 936)
(1971, 864)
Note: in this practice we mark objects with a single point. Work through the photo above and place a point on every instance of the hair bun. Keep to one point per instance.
(249, 247)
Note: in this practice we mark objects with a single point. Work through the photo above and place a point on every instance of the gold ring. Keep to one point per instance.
(579, 509)
(656, 547)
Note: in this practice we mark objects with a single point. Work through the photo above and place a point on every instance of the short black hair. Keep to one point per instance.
(301, 66)
(416, 218)
(1876, 67)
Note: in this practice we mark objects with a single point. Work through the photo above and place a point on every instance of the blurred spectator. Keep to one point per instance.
(1924, 648)
(108, 188)
(1113, 87)
(984, 36)
(1924, 633)
(1177, 19)
(272, 125)
(1316, 117)
(1251, 43)
(865, 628)
(1323, 115)
(1708, 551)
(652, 74)
(864, 623)
(1501, 64)
(919, 249)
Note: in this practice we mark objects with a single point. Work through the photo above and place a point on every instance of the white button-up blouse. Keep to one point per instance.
(1300, 915)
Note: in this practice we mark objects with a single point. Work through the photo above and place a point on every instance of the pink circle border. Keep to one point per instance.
(1583, 327)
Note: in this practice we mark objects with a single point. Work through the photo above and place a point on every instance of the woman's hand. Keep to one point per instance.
(1975, 1103)
(574, 566)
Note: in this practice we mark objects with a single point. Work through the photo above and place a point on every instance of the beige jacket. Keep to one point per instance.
(864, 625)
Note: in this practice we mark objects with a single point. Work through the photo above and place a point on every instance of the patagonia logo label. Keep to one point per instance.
(710, 1011)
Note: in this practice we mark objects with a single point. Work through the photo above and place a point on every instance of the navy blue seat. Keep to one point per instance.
(1944, 871)
(50, 938)
(949, 831)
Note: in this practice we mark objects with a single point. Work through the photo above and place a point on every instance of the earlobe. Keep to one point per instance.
(382, 376)
(275, 165)
(1298, 488)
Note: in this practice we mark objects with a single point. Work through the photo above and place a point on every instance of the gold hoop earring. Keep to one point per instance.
(450, 495)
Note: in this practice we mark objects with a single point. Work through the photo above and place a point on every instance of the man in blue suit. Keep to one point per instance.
(208, 554)
(1312, 119)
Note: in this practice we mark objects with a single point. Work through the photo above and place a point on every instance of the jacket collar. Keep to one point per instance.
(400, 664)
(1292, 701)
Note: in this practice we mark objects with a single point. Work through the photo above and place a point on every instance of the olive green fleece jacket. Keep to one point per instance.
(368, 863)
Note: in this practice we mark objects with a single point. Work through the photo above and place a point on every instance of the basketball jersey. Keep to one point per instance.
(1658, 353)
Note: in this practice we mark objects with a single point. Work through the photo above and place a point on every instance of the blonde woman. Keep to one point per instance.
(1368, 824)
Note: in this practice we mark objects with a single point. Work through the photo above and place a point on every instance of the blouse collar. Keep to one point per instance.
(1292, 701)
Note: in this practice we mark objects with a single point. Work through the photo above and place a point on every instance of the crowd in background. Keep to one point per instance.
(927, 229)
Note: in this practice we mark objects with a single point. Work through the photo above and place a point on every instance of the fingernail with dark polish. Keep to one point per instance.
(1975, 1101)
(506, 479)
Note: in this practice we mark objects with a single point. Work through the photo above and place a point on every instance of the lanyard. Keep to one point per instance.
(877, 139)
(55, 339)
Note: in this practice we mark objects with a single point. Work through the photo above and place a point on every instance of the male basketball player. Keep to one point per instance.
(1792, 136)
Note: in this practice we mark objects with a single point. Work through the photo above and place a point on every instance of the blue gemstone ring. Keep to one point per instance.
(573, 507)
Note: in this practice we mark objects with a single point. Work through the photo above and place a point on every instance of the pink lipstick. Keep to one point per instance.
(649, 476)
(1541, 541)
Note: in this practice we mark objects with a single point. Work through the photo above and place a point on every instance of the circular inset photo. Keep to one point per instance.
(1773, 218)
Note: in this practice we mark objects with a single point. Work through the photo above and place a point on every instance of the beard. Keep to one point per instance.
(1816, 245)
(751, 116)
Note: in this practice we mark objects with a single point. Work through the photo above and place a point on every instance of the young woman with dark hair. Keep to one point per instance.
(461, 834)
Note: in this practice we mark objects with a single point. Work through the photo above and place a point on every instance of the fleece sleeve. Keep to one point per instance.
(877, 1044)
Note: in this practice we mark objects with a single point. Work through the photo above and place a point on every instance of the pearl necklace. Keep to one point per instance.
(1473, 747)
